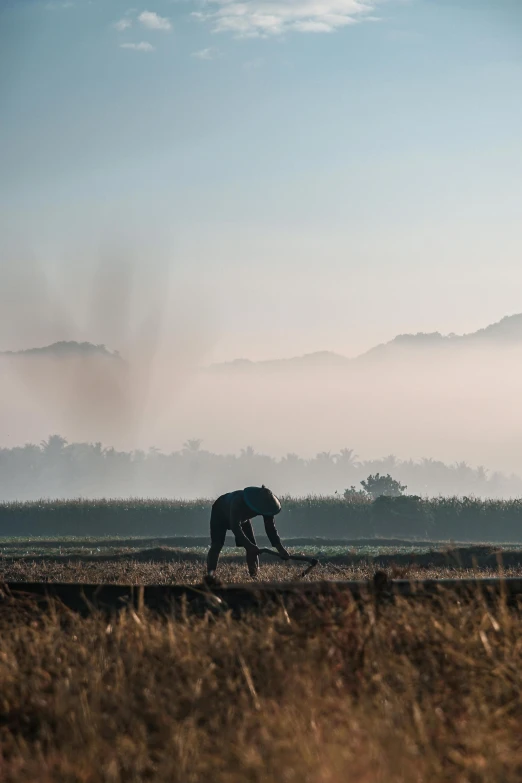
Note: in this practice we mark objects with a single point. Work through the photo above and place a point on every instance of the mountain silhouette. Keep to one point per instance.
(66, 350)
(505, 333)
(317, 359)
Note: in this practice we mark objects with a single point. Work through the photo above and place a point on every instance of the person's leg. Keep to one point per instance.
(252, 560)
(218, 534)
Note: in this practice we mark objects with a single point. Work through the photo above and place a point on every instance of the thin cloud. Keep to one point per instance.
(142, 46)
(263, 18)
(152, 21)
(123, 24)
(207, 54)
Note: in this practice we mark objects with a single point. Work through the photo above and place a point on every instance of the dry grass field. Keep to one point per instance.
(105, 560)
(411, 692)
(416, 693)
(132, 571)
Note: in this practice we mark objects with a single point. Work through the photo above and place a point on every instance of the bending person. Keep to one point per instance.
(234, 511)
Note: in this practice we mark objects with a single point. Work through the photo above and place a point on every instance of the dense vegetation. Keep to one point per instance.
(416, 693)
(443, 519)
(56, 469)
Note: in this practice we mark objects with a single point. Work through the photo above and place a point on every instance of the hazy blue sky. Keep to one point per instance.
(313, 174)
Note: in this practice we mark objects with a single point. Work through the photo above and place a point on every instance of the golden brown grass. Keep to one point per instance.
(129, 571)
(412, 694)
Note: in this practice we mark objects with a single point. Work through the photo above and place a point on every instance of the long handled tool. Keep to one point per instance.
(312, 561)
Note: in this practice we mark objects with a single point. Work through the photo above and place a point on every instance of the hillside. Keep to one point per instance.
(317, 359)
(64, 349)
(505, 333)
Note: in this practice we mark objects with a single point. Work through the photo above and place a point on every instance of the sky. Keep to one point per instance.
(262, 178)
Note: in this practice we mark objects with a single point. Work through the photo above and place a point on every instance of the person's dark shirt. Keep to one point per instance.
(239, 511)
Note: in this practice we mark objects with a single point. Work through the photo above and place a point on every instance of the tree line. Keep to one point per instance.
(58, 469)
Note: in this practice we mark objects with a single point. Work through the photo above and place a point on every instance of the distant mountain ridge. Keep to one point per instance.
(65, 349)
(504, 333)
(317, 359)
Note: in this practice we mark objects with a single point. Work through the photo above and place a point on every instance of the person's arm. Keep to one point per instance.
(235, 525)
(273, 537)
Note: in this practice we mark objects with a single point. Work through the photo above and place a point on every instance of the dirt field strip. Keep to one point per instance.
(239, 597)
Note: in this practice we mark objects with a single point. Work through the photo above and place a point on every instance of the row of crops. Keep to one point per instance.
(439, 519)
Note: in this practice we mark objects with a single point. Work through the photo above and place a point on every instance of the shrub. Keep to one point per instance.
(378, 485)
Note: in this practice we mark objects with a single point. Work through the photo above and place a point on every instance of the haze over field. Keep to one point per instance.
(189, 185)
(452, 399)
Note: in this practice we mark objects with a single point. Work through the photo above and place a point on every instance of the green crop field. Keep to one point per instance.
(435, 519)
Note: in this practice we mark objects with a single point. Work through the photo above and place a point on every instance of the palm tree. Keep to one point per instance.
(53, 446)
(348, 458)
(192, 445)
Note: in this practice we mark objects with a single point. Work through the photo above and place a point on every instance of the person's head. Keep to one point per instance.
(262, 500)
